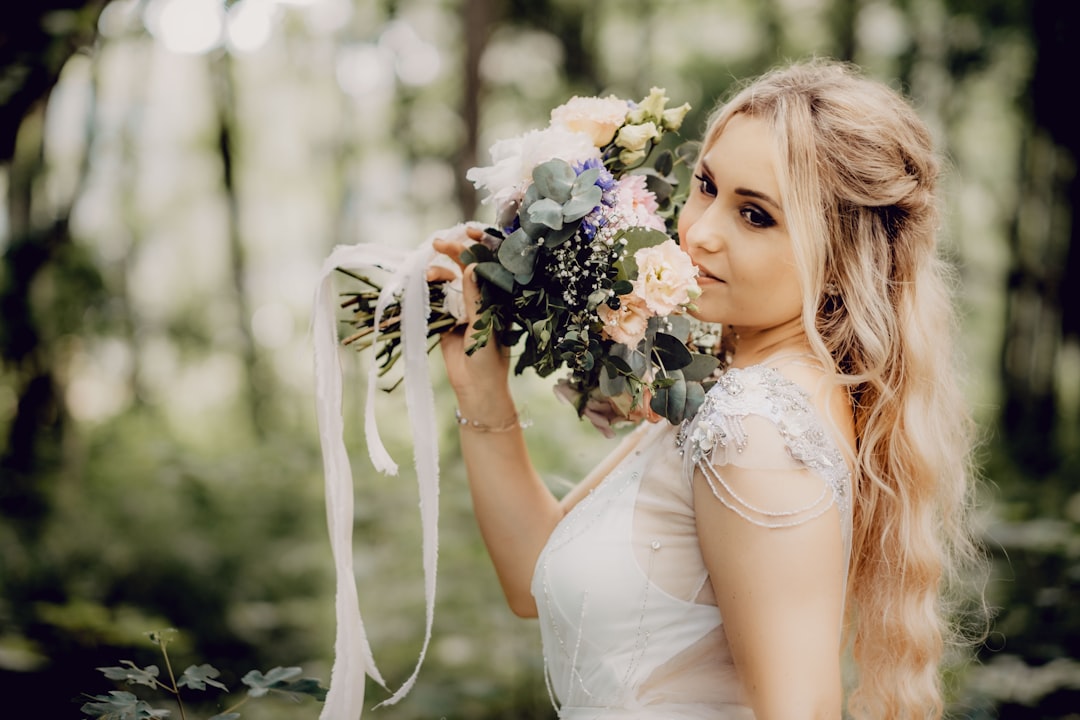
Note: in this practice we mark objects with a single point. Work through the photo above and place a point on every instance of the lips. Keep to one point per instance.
(704, 276)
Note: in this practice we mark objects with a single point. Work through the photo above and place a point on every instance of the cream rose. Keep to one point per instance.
(598, 118)
(628, 324)
(673, 117)
(665, 280)
(636, 137)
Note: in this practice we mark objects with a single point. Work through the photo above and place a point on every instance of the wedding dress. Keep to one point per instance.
(628, 618)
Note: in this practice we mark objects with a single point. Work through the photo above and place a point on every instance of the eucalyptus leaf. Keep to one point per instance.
(586, 179)
(665, 162)
(700, 367)
(555, 238)
(678, 325)
(518, 253)
(582, 204)
(554, 179)
(495, 273)
(670, 401)
(547, 212)
(671, 352)
(660, 187)
(611, 383)
(695, 396)
(622, 287)
(688, 151)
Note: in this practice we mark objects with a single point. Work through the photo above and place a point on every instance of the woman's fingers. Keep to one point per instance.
(437, 273)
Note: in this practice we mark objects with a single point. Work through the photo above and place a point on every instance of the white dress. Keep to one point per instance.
(628, 618)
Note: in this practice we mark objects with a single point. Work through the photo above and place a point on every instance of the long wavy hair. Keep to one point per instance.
(858, 184)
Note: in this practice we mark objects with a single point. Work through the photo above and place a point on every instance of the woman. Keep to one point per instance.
(817, 500)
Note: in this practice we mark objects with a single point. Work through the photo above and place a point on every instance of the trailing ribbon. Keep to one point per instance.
(353, 660)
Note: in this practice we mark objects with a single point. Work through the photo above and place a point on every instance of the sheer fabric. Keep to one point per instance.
(628, 618)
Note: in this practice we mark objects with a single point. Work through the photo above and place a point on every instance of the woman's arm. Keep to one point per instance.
(515, 510)
(780, 593)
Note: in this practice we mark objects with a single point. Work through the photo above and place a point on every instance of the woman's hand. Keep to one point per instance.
(479, 380)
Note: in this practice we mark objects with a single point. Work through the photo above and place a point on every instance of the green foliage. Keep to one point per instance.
(121, 705)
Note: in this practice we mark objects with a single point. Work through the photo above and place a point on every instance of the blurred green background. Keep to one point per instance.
(173, 172)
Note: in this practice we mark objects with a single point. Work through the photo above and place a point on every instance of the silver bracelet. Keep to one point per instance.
(514, 422)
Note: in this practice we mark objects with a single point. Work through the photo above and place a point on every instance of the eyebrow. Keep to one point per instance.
(743, 192)
(747, 192)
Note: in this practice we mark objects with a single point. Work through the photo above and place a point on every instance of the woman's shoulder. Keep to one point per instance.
(810, 413)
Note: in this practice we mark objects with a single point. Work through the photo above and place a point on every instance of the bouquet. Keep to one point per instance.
(581, 268)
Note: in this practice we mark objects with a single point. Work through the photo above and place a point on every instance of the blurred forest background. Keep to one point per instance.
(173, 172)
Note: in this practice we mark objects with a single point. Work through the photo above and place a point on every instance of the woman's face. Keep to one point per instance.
(734, 228)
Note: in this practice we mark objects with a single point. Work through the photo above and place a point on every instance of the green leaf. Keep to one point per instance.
(622, 287)
(261, 684)
(611, 383)
(695, 396)
(618, 365)
(670, 401)
(518, 253)
(665, 162)
(133, 674)
(678, 325)
(495, 273)
(305, 686)
(636, 239)
(587, 179)
(671, 352)
(554, 179)
(555, 238)
(660, 187)
(547, 212)
(198, 677)
(120, 705)
(582, 204)
(701, 366)
(688, 151)
(476, 253)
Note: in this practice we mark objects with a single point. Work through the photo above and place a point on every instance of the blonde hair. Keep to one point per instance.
(858, 185)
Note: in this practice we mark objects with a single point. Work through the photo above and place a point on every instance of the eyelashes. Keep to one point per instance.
(705, 185)
(754, 216)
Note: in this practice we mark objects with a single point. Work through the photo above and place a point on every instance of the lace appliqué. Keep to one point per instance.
(718, 430)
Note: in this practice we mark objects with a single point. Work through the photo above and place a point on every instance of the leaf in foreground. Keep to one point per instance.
(133, 674)
(198, 677)
(120, 705)
(261, 684)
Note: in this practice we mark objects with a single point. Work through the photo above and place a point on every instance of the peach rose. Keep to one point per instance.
(598, 118)
(628, 324)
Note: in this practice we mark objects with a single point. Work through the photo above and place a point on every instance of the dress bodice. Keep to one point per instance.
(628, 618)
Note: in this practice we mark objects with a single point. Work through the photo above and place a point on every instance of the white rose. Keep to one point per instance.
(515, 158)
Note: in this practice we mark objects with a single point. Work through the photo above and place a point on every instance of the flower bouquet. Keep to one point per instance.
(581, 269)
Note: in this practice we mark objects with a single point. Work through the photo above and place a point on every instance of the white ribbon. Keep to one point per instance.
(353, 660)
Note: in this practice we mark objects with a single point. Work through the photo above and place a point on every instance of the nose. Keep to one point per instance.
(705, 232)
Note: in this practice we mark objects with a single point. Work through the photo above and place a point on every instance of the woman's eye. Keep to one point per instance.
(705, 185)
(757, 217)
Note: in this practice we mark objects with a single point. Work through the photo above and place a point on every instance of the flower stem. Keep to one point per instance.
(172, 678)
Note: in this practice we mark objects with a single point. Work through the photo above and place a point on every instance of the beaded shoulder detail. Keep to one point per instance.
(718, 429)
